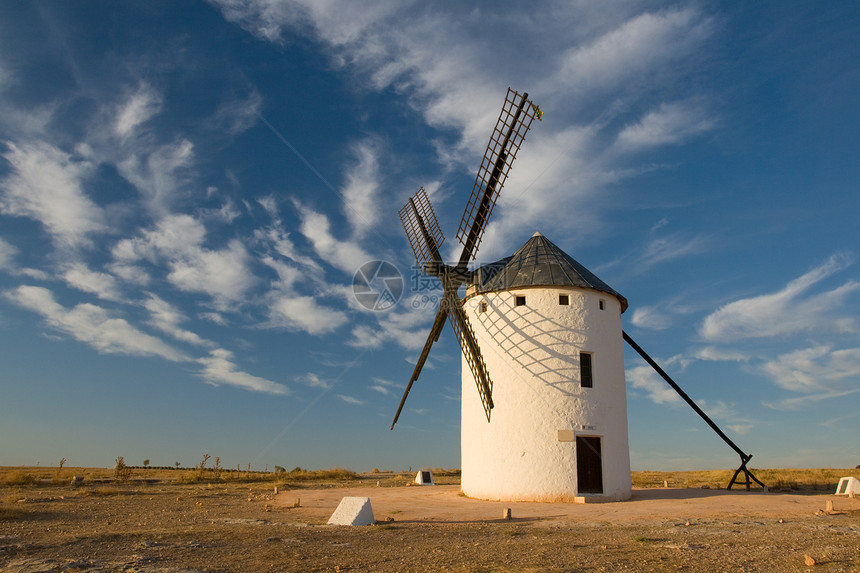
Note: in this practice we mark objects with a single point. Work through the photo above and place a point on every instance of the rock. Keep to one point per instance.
(810, 562)
(353, 511)
(829, 506)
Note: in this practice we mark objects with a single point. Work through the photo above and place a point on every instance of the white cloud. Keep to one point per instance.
(347, 256)
(361, 189)
(791, 310)
(350, 400)
(7, 254)
(132, 274)
(646, 379)
(651, 317)
(303, 313)
(338, 22)
(218, 368)
(45, 185)
(167, 319)
(214, 318)
(722, 355)
(314, 381)
(671, 123)
(138, 108)
(633, 48)
(276, 238)
(407, 328)
(451, 78)
(384, 386)
(158, 175)
(103, 285)
(222, 274)
(237, 115)
(93, 325)
(816, 370)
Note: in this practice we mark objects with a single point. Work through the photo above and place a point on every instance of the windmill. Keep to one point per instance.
(560, 433)
(425, 238)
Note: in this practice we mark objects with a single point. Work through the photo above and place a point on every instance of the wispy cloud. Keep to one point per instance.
(791, 310)
(238, 114)
(166, 318)
(405, 328)
(635, 47)
(138, 108)
(314, 381)
(819, 370)
(670, 123)
(159, 173)
(644, 378)
(360, 192)
(93, 325)
(46, 185)
(345, 255)
(447, 78)
(383, 386)
(351, 400)
(651, 317)
(219, 368)
(7, 255)
(103, 285)
(178, 240)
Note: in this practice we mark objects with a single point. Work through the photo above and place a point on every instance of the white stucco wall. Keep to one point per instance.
(532, 354)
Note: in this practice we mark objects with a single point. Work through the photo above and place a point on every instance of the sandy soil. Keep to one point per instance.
(229, 527)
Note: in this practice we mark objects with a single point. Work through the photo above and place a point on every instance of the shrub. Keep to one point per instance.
(19, 478)
(121, 472)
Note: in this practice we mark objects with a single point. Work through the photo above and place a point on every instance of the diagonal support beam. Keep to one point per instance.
(744, 457)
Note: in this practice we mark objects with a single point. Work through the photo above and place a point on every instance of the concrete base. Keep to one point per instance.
(353, 511)
(848, 486)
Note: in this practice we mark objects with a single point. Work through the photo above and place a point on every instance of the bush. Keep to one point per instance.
(121, 471)
(19, 478)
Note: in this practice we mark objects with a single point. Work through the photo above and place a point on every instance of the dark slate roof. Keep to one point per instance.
(539, 263)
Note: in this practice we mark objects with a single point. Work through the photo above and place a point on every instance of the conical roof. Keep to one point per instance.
(539, 263)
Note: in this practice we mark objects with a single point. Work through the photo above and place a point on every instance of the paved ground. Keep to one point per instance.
(444, 504)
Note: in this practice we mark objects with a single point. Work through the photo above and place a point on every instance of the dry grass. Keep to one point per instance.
(775, 479)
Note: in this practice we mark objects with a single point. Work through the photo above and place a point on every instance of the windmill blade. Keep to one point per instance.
(514, 122)
(466, 337)
(433, 337)
(422, 229)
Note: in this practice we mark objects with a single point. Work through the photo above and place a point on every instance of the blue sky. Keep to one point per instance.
(187, 190)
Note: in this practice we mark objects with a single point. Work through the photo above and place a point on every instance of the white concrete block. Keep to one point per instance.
(424, 477)
(848, 485)
(353, 511)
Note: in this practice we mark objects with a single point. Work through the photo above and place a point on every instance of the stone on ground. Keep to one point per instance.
(353, 511)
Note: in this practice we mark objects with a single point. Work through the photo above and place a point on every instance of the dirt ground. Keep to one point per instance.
(164, 528)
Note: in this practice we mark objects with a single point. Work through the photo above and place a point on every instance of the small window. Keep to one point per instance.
(520, 300)
(602, 304)
(483, 306)
(563, 299)
(585, 371)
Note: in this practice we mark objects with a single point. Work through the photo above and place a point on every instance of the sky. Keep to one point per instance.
(188, 189)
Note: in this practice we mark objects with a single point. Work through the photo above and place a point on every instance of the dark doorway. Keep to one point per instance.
(589, 466)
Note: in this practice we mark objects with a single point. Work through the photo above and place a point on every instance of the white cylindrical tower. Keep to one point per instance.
(550, 334)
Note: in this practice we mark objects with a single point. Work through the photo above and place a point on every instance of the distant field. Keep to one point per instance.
(776, 479)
